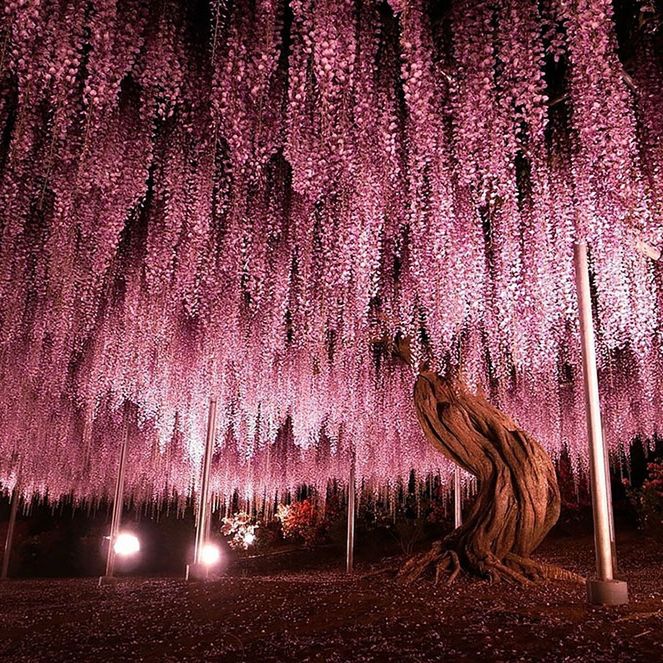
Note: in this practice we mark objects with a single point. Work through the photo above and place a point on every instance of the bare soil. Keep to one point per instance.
(312, 611)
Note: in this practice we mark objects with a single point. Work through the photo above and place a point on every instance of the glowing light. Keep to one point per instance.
(249, 538)
(126, 544)
(210, 554)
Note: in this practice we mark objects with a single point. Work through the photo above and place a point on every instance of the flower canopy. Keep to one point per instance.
(241, 199)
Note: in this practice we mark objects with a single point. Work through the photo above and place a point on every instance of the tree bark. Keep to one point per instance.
(518, 498)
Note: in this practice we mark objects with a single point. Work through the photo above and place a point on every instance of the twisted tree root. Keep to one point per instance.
(513, 569)
(418, 564)
(498, 571)
(441, 560)
(541, 570)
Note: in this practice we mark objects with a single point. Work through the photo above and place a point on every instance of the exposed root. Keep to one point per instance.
(497, 571)
(455, 562)
(436, 558)
(441, 567)
(416, 566)
(513, 569)
(377, 572)
(541, 570)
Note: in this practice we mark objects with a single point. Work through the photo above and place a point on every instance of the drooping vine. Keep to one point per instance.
(236, 199)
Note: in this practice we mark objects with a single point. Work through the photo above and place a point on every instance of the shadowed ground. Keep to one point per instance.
(315, 614)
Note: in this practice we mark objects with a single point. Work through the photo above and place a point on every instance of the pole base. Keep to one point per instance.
(197, 572)
(607, 592)
(106, 581)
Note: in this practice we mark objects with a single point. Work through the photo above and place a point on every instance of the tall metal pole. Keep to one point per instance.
(613, 543)
(198, 569)
(350, 553)
(16, 496)
(604, 590)
(118, 504)
(458, 499)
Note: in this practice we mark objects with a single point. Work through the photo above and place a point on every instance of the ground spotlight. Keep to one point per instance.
(126, 544)
(210, 554)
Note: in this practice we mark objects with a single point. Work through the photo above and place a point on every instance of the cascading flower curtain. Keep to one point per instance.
(242, 199)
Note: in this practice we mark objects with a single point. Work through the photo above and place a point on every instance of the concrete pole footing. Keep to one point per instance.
(607, 592)
(106, 581)
(197, 572)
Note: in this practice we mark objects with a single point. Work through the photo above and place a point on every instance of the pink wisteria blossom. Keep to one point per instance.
(237, 200)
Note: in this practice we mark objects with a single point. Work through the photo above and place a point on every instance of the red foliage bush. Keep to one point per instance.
(301, 520)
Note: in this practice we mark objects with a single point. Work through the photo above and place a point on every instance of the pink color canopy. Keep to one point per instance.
(238, 200)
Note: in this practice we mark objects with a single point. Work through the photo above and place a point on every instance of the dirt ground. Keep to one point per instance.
(312, 613)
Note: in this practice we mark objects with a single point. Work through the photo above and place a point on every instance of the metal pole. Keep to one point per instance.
(351, 519)
(197, 570)
(118, 504)
(613, 544)
(208, 520)
(458, 499)
(605, 590)
(16, 496)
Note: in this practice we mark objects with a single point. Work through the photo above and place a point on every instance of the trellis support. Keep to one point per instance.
(199, 570)
(604, 589)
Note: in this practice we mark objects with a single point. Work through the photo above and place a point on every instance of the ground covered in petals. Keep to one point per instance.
(311, 611)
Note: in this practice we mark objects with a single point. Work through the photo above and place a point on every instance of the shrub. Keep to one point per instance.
(648, 500)
(303, 521)
(240, 529)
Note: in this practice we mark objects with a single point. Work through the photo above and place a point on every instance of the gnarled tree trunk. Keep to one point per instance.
(518, 500)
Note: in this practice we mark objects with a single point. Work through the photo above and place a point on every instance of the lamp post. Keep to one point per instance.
(202, 557)
(604, 589)
(15, 498)
(118, 503)
(349, 561)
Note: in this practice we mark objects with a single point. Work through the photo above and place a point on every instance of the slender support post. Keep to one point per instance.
(118, 504)
(9, 541)
(351, 520)
(613, 544)
(605, 589)
(198, 570)
(208, 521)
(458, 499)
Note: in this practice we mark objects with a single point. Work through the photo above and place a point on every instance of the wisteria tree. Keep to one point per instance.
(239, 197)
(518, 500)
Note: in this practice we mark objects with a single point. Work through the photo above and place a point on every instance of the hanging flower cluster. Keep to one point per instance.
(244, 200)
